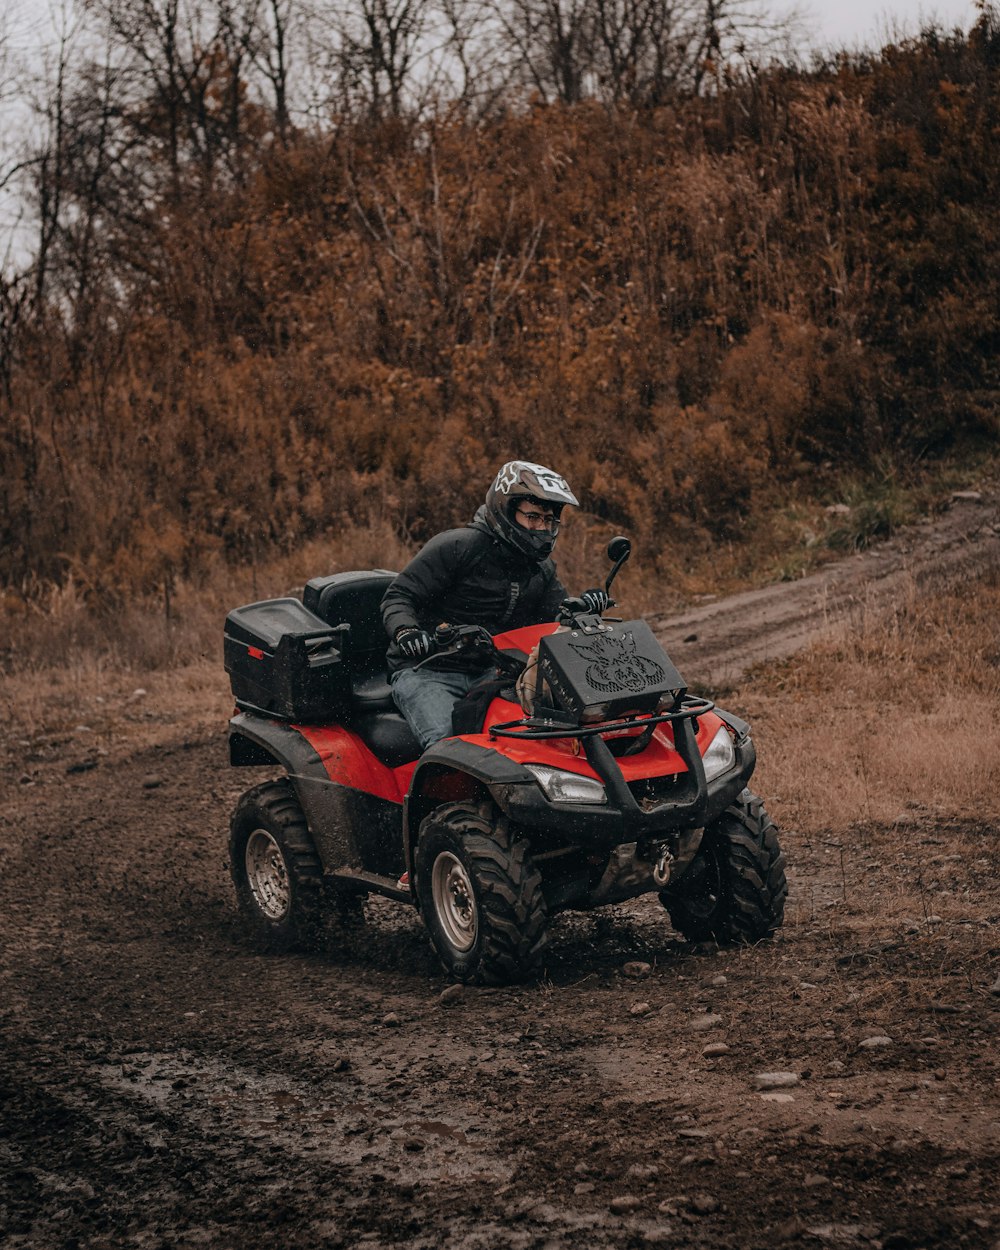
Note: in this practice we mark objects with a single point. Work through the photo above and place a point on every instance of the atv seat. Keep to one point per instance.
(373, 693)
(357, 599)
(389, 736)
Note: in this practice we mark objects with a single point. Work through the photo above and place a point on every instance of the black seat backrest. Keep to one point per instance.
(355, 598)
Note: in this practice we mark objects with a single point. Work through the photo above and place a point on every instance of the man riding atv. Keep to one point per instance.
(596, 779)
(496, 572)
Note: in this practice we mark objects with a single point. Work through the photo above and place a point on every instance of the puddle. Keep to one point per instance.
(348, 1127)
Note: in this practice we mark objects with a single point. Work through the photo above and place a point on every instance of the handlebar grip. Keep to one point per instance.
(444, 634)
(572, 605)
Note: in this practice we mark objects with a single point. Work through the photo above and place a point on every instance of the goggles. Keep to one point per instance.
(531, 517)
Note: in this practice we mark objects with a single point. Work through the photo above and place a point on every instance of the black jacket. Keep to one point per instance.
(470, 576)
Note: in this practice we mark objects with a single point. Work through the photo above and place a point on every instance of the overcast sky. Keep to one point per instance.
(846, 23)
(825, 24)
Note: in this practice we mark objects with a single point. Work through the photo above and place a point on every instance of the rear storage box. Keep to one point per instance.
(609, 671)
(286, 662)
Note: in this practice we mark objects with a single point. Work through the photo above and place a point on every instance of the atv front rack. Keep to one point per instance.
(688, 810)
(540, 727)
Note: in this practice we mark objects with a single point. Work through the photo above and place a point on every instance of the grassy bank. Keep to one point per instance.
(890, 724)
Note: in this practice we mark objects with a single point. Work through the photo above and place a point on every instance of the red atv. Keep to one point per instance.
(616, 782)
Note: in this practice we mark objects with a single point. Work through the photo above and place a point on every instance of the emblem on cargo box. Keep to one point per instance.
(616, 665)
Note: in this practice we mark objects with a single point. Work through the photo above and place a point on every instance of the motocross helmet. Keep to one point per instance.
(517, 481)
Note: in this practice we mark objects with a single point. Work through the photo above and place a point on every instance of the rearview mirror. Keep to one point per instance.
(619, 549)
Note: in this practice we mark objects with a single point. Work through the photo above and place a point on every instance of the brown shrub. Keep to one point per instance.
(684, 308)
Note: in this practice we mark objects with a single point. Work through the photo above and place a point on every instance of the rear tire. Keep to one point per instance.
(480, 895)
(275, 869)
(735, 889)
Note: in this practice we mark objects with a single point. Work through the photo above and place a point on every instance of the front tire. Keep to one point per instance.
(480, 895)
(735, 889)
(275, 869)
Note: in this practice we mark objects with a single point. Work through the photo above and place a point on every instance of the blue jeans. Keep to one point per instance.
(426, 698)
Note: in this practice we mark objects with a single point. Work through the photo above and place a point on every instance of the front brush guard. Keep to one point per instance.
(687, 810)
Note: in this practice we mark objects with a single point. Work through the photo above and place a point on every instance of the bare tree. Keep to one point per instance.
(378, 46)
(636, 51)
(726, 33)
(641, 48)
(17, 157)
(48, 166)
(279, 26)
(183, 67)
(475, 66)
(552, 44)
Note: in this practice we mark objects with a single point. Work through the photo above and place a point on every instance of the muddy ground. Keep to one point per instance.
(163, 1086)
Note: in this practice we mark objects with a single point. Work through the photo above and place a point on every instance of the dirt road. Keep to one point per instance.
(161, 1086)
(720, 640)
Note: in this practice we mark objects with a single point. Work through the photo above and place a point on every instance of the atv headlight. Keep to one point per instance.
(720, 756)
(560, 786)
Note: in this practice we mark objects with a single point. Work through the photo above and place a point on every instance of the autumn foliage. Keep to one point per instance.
(685, 308)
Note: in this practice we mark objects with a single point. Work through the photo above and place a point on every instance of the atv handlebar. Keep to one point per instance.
(451, 639)
(570, 609)
(460, 639)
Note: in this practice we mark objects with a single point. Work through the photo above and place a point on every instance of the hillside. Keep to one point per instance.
(705, 311)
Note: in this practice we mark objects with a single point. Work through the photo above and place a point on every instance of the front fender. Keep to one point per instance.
(455, 769)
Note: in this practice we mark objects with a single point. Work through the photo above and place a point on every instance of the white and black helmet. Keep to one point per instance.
(517, 481)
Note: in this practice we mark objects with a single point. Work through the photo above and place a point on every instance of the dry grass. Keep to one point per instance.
(879, 758)
(57, 626)
(52, 624)
(70, 662)
(889, 730)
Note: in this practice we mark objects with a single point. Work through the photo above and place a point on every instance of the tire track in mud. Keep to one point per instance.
(717, 642)
(178, 1148)
(349, 1129)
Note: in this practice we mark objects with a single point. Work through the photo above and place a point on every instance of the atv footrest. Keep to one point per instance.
(375, 882)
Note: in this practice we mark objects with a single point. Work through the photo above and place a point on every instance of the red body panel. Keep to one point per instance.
(658, 760)
(525, 638)
(349, 762)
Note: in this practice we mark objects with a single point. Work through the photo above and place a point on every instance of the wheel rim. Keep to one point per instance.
(267, 875)
(454, 901)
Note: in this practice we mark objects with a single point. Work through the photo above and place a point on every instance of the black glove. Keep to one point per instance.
(414, 643)
(596, 600)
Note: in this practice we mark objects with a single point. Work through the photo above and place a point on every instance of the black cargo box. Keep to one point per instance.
(608, 671)
(284, 661)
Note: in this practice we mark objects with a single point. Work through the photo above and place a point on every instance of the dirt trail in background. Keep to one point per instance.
(717, 642)
(163, 1086)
